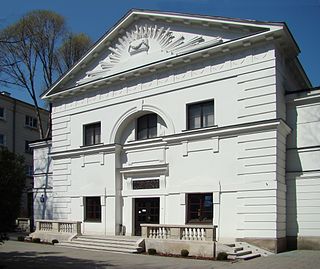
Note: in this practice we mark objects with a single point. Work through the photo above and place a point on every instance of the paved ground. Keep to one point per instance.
(15, 254)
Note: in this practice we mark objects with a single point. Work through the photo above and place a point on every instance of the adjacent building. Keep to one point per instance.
(18, 127)
(181, 119)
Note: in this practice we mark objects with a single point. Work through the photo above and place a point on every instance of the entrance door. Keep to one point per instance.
(146, 211)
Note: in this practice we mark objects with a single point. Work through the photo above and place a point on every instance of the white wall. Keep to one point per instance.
(303, 165)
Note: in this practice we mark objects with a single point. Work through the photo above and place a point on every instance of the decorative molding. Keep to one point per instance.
(187, 72)
(147, 39)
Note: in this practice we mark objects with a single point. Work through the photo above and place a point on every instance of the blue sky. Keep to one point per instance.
(95, 17)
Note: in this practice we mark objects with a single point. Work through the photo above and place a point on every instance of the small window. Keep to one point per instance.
(200, 115)
(145, 184)
(29, 170)
(147, 126)
(200, 208)
(2, 113)
(92, 134)
(27, 148)
(2, 140)
(31, 122)
(92, 209)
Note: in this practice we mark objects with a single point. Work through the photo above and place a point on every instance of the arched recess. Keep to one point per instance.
(133, 113)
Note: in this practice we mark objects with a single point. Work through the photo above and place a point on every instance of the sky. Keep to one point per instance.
(95, 17)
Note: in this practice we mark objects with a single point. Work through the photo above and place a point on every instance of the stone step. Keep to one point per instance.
(88, 243)
(110, 238)
(249, 256)
(101, 248)
(104, 241)
(110, 243)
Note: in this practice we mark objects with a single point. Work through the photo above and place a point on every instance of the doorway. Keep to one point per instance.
(146, 211)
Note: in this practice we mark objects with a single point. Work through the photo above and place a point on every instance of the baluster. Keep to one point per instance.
(194, 234)
(190, 234)
(202, 234)
(158, 232)
(198, 234)
(153, 233)
(164, 233)
(183, 234)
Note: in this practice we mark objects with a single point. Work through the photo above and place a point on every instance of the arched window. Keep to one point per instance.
(147, 126)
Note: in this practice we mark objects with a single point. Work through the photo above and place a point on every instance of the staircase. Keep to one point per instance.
(119, 244)
(245, 251)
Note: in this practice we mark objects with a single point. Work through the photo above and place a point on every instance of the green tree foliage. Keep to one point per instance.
(12, 180)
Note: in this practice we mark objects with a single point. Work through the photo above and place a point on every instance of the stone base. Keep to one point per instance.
(274, 245)
(195, 248)
(303, 242)
(49, 236)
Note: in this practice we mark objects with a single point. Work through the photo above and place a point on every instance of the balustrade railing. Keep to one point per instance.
(179, 232)
(58, 226)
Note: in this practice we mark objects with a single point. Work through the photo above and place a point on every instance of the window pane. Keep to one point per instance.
(93, 209)
(92, 134)
(201, 115)
(200, 208)
(147, 126)
(194, 116)
(97, 131)
(207, 114)
(1, 139)
(1, 112)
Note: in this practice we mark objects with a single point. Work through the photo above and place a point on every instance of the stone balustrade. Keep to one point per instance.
(179, 232)
(56, 229)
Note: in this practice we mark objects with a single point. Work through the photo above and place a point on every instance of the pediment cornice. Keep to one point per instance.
(158, 45)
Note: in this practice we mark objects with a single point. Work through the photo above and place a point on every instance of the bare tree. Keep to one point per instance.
(35, 50)
(71, 50)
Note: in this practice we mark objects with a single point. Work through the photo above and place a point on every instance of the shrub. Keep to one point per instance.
(184, 253)
(54, 241)
(36, 240)
(21, 238)
(222, 256)
(152, 251)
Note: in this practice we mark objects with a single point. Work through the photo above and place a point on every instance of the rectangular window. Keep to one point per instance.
(200, 208)
(92, 209)
(29, 170)
(27, 149)
(145, 184)
(2, 140)
(147, 126)
(2, 115)
(200, 115)
(92, 134)
(31, 122)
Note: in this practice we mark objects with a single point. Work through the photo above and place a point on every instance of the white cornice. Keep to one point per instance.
(136, 14)
(218, 50)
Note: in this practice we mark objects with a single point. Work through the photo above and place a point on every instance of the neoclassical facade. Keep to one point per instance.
(181, 119)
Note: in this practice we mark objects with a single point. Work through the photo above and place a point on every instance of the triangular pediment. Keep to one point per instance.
(145, 38)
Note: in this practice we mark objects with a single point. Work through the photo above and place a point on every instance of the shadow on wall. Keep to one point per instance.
(305, 135)
(293, 170)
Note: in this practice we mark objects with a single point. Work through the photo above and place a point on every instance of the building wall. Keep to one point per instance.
(16, 134)
(241, 161)
(303, 166)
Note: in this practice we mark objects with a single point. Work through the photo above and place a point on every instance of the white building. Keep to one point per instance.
(177, 119)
